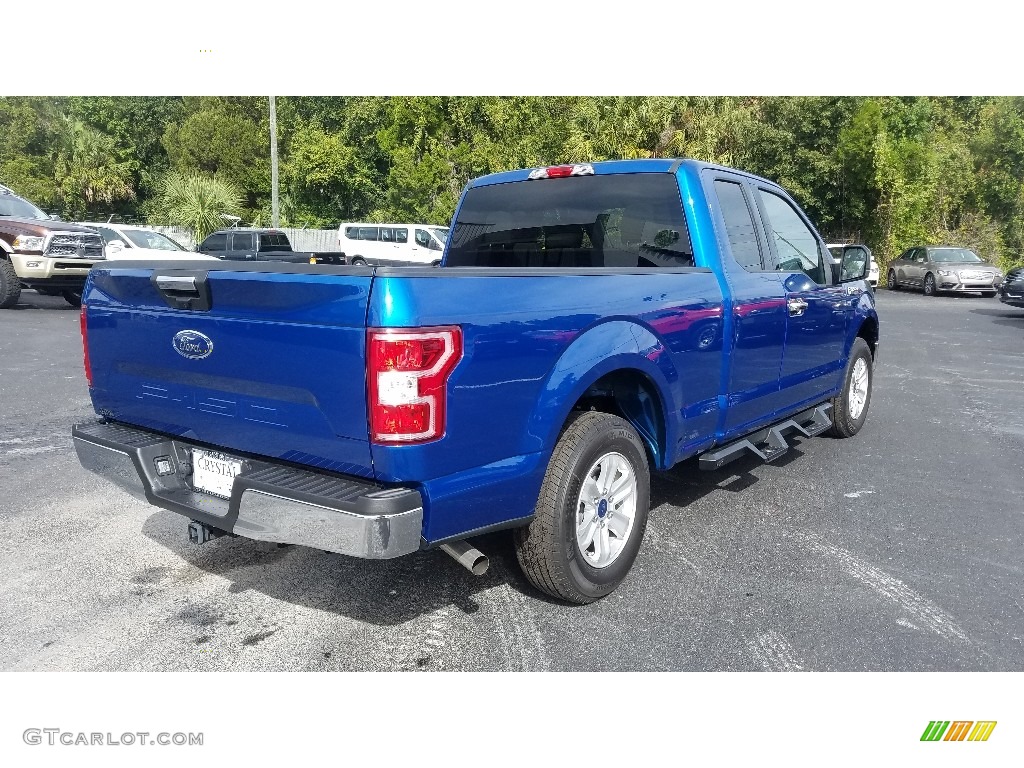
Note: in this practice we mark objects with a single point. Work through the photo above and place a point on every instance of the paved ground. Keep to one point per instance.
(900, 549)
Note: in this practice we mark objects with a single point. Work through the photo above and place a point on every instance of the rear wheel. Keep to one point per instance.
(850, 407)
(358, 261)
(592, 510)
(929, 285)
(73, 296)
(10, 285)
(890, 281)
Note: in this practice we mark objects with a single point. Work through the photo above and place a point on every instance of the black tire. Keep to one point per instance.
(358, 261)
(10, 285)
(547, 548)
(72, 296)
(844, 423)
(929, 285)
(890, 281)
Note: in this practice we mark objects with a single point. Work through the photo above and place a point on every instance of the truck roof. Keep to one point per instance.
(606, 167)
(248, 229)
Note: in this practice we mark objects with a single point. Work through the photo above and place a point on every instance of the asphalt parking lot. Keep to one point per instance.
(900, 549)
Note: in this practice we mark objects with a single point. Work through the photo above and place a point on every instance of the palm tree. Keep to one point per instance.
(195, 201)
(88, 168)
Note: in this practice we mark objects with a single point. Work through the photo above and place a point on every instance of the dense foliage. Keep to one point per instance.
(889, 171)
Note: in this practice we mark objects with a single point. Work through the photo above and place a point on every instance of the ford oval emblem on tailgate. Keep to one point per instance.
(192, 344)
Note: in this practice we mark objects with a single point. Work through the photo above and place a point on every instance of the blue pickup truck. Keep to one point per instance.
(590, 324)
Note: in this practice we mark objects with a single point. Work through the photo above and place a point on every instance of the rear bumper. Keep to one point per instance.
(269, 501)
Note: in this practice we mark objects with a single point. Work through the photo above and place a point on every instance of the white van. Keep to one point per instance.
(392, 243)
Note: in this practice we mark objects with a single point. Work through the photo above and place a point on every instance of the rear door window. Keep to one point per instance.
(613, 220)
(242, 241)
(739, 225)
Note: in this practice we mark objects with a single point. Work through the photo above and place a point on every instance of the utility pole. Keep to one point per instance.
(274, 221)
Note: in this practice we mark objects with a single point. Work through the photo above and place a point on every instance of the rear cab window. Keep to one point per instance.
(609, 220)
(274, 241)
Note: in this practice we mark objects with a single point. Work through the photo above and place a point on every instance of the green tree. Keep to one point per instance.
(195, 201)
(136, 124)
(228, 138)
(325, 178)
(26, 139)
(89, 168)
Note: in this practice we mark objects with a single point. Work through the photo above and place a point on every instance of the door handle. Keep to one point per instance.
(176, 284)
(796, 307)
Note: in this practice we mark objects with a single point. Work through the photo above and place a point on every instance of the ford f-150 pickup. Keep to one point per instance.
(589, 324)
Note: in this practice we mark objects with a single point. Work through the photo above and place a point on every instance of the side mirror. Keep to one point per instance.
(854, 265)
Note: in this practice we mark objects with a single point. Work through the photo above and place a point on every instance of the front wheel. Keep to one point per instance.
(358, 262)
(592, 510)
(890, 281)
(929, 285)
(850, 407)
(73, 296)
(10, 285)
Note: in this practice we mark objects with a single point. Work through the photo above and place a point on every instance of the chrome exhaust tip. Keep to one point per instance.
(469, 557)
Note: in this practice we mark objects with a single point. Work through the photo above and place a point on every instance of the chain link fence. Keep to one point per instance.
(320, 240)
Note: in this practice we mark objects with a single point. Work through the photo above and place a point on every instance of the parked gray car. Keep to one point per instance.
(941, 268)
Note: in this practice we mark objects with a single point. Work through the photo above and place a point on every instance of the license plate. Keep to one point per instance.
(214, 473)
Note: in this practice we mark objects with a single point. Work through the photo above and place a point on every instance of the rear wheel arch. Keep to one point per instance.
(635, 382)
(632, 395)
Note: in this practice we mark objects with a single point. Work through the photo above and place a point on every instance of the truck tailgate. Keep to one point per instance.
(273, 366)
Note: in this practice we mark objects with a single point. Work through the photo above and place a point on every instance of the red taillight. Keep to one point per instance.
(85, 347)
(407, 375)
